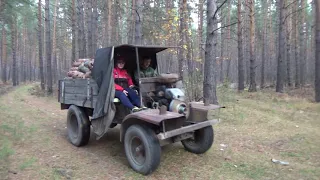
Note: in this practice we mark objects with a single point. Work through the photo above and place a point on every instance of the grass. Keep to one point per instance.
(264, 125)
(13, 130)
(255, 127)
(5, 149)
(27, 163)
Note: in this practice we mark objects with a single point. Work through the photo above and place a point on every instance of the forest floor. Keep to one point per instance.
(254, 128)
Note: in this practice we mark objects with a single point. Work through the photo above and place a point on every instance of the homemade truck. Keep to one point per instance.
(169, 119)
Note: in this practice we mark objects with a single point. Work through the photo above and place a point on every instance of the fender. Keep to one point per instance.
(151, 117)
(198, 112)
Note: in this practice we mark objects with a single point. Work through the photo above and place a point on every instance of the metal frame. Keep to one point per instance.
(185, 129)
(138, 68)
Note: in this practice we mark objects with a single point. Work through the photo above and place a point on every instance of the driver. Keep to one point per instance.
(124, 85)
(145, 69)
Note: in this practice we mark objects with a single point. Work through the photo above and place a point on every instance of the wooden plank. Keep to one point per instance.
(61, 91)
(80, 90)
(77, 96)
(81, 103)
(94, 86)
(75, 91)
(79, 82)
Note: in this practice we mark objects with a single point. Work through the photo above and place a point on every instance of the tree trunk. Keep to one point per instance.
(240, 51)
(23, 56)
(209, 83)
(109, 29)
(4, 55)
(73, 19)
(303, 40)
(120, 21)
(188, 52)
(32, 57)
(252, 87)
(48, 49)
(281, 49)
(89, 18)
(40, 45)
(228, 43)
(94, 27)
(1, 60)
(312, 44)
(188, 41)
(200, 29)
(169, 42)
(20, 53)
(81, 33)
(317, 51)
(138, 25)
(295, 43)
(54, 53)
(221, 59)
(116, 22)
(246, 31)
(264, 39)
(14, 48)
(271, 49)
(288, 45)
(181, 51)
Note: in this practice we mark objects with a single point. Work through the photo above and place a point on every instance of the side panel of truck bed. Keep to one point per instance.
(80, 92)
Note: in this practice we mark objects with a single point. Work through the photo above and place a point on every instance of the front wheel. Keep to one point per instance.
(142, 149)
(202, 141)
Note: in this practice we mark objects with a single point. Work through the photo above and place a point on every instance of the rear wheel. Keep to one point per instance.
(202, 141)
(142, 149)
(78, 126)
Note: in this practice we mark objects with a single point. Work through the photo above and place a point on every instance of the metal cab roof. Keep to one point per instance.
(143, 49)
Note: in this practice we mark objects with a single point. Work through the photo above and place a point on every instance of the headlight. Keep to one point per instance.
(178, 107)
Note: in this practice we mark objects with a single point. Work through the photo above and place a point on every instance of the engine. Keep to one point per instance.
(173, 98)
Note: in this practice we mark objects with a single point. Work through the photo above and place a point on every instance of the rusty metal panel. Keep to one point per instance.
(153, 116)
(147, 87)
(201, 106)
(198, 112)
(171, 124)
(161, 78)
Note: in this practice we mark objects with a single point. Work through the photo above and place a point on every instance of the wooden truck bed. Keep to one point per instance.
(80, 92)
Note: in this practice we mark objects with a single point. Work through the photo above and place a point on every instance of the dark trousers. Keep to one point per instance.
(130, 100)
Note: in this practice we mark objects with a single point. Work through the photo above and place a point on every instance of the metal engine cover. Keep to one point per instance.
(174, 93)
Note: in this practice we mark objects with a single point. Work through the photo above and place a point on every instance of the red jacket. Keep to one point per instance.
(121, 73)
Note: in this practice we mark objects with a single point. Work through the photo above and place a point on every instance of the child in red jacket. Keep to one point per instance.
(123, 85)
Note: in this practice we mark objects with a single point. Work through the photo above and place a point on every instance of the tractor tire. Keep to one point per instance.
(142, 149)
(78, 126)
(202, 141)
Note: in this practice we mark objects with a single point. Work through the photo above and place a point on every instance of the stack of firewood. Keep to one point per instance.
(81, 68)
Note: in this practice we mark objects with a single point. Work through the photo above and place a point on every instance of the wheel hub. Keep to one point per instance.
(137, 150)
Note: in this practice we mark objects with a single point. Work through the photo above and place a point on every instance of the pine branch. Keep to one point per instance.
(290, 4)
(215, 13)
(225, 26)
(300, 9)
